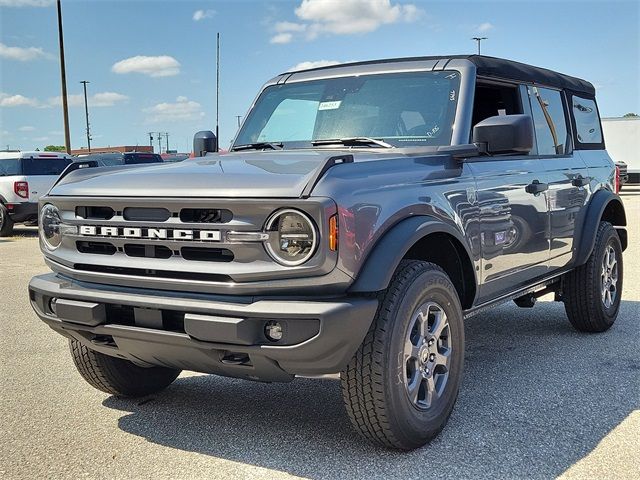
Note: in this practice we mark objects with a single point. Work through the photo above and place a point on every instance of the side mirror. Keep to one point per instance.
(204, 142)
(504, 134)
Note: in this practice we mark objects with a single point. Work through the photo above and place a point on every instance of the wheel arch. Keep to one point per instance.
(604, 206)
(420, 238)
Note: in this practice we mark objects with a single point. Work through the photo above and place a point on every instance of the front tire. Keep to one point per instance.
(6, 224)
(592, 292)
(401, 385)
(117, 376)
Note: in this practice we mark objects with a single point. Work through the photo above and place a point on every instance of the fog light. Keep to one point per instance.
(52, 305)
(273, 331)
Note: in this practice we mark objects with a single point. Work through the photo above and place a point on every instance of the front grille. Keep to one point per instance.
(205, 215)
(98, 248)
(95, 213)
(134, 214)
(147, 251)
(146, 272)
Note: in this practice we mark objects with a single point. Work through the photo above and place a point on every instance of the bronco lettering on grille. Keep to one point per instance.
(150, 233)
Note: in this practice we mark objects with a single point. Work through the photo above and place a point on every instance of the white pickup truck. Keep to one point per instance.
(24, 177)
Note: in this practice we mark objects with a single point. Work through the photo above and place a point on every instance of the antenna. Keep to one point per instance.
(218, 91)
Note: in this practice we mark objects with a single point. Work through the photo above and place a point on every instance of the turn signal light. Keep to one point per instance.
(21, 189)
(333, 233)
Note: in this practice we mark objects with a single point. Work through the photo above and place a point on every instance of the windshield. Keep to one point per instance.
(402, 109)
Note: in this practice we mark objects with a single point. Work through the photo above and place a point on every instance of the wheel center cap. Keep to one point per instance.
(423, 355)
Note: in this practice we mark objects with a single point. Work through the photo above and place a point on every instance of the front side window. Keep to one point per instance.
(549, 121)
(402, 109)
(587, 122)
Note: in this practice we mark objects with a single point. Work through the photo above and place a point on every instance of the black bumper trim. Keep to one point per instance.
(343, 324)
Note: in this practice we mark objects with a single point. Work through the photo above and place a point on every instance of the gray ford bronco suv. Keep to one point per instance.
(362, 213)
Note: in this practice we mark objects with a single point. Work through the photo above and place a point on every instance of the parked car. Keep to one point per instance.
(24, 177)
(623, 174)
(116, 158)
(363, 212)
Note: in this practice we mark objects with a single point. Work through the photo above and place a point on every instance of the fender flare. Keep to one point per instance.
(599, 202)
(379, 266)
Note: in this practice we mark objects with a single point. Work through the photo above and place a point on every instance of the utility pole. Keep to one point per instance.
(63, 80)
(479, 39)
(166, 136)
(86, 113)
(150, 138)
(159, 142)
(238, 117)
(217, 91)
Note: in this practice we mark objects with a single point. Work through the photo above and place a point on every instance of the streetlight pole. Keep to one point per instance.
(86, 113)
(479, 39)
(63, 80)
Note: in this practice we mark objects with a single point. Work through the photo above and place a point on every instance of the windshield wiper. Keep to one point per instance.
(258, 146)
(352, 142)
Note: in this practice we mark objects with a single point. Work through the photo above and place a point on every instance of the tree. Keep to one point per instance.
(630, 115)
(55, 148)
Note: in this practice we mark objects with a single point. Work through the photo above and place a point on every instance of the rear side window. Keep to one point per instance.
(10, 166)
(49, 166)
(587, 122)
(549, 121)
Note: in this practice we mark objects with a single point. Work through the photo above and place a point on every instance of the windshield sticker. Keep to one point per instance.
(452, 96)
(329, 105)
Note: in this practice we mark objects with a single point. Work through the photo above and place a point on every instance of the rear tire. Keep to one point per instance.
(401, 385)
(584, 293)
(117, 376)
(6, 224)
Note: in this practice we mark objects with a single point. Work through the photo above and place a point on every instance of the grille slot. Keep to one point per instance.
(99, 248)
(148, 251)
(145, 272)
(136, 214)
(205, 215)
(95, 213)
(206, 254)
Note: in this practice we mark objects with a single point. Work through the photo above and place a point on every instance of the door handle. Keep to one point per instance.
(536, 187)
(579, 181)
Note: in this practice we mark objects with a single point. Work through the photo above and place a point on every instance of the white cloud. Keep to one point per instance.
(182, 109)
(25, 3)
(484, 27)
(22, 54)
(27, 128)
(159, 66)
(314, 64)
(203, 14)
(40, 139)
(281, 38)
(103, 99)
(344, 17)
(7, 100)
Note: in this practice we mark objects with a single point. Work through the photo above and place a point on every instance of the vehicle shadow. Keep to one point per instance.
(537, 397)
(25, 232)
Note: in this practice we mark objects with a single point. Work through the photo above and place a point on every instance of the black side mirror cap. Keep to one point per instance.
(204, 142)
(504, 134)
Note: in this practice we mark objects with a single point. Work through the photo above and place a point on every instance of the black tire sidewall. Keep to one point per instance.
(414, 426)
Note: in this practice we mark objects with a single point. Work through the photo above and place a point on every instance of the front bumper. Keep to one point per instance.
(216, 334)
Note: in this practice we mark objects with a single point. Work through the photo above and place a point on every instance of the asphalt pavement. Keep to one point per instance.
(538, 400)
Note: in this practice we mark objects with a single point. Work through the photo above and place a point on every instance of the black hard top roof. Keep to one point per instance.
(496, 68)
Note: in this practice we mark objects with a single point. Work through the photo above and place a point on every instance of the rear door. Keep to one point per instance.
(41, 173)
(565, 172)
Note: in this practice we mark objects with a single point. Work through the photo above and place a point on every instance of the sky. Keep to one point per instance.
(151, 63)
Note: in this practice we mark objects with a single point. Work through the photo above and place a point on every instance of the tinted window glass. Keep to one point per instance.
(549, 121)
(403, 109)
(48, 166)
(10, 166)
(586, 118)
(135, 158)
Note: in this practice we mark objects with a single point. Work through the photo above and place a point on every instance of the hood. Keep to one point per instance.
(282, 174)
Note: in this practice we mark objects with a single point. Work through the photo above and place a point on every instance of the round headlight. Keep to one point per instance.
(292, 237)
(50, 224)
